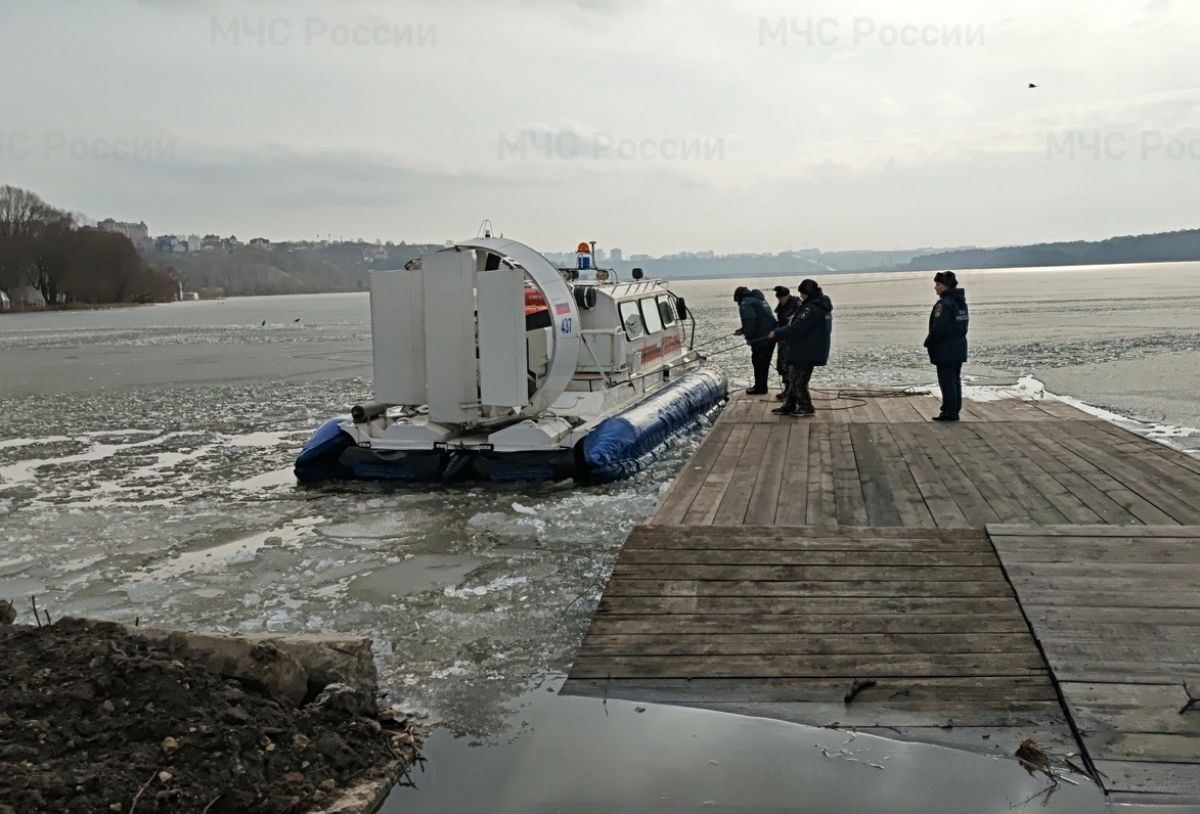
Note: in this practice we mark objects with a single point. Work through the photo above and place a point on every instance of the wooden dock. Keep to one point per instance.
(1029, 572)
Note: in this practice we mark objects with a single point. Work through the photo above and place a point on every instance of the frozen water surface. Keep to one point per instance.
(145, 473)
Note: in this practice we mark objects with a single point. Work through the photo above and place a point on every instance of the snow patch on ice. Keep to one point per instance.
(499, 584)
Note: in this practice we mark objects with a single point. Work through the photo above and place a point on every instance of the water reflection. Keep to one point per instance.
(569, 754)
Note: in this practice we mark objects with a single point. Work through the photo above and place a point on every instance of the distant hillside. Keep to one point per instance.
(280, 270)
(784, 264)
(1162, 247)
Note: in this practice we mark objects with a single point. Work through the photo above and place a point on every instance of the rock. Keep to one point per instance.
(327, 785)
(8, 614)
(332, 659)
(235, 716)
(290, 668)
(345, 700)
(301, 741)
(293, 777)
(260, 663)
(169, 745)
(165, 777)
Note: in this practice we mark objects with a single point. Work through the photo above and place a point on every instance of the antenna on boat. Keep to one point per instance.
(485, 229)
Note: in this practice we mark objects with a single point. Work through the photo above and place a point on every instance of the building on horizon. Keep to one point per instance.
(138, 233)
(616, 256)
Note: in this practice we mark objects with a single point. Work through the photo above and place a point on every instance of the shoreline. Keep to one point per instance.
(189, 721)
(82, 306)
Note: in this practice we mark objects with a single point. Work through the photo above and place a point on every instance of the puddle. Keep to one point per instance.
(567, 754)
(417, 573)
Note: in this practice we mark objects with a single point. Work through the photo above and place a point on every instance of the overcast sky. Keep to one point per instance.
(653, 125)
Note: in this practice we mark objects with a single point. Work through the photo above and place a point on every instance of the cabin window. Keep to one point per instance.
(666, 310)
(650, 316)
(631, 318)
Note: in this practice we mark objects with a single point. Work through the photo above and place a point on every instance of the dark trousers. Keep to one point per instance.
(950, 381)
(782, 367)
(797, 396)
(760, 357)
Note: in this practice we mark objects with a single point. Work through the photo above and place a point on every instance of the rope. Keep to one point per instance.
(859, 397)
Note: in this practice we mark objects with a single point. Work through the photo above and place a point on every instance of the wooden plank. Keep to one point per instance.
(764, 499)
(1160, 462)
(1064, 618)
(847, 485)
(995, 530)
(780, 542)
(831, 591)
(769, 556)
(822, 506)
(900, 410)
(1123, 644)
(769, 605)
(736, 498)
(1113, 550)
(926, 407)
(853, 666)
(1101, 505)
(959, 487)
(1158, 747)
(1094, 597)
(878, 500)
(1068, 506)
(943, 508)
(981, 474)
(792, 509)
(709, 495)
(1105, 707)
(1142, 778)
(1165, 574)
(812, 624)
(1131, 480)
(1004, 467)
(794, 572)
(899, 477)
(780, 644)
(872, 412)
(690, 479)
(896, 693)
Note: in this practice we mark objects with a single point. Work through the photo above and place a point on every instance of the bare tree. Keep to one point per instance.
(43, 246)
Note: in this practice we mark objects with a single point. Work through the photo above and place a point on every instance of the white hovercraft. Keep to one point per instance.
(492, 364)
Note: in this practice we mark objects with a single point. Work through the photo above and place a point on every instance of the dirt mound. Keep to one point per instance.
(94, 718)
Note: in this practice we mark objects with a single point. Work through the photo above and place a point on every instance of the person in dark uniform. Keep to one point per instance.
(786, 309)
(947, 341)
(757, 322)
(807, 339)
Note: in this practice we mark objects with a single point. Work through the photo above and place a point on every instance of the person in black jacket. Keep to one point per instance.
(757, 322)
(807, 339)
(786, 309)
(947, 341)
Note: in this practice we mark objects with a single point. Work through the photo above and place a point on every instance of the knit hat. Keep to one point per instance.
(809, 288)
(946, 278)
